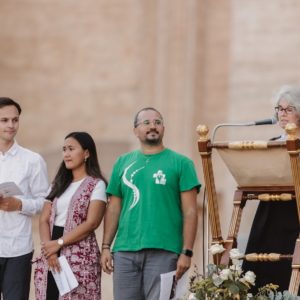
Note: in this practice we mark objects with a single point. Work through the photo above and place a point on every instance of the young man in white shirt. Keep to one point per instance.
(28, 171)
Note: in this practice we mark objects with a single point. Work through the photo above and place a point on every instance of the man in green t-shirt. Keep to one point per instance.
(152, 213)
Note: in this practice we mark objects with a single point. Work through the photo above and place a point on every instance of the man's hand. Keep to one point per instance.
(10, 204)
(106, 261)
(183, 264)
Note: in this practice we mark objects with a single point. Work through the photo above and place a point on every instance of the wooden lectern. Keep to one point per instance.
(263, 187)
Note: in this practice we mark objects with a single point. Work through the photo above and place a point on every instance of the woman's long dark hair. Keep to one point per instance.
(64, 177)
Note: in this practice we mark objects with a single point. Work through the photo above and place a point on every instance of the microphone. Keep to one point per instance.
(269, 121)
(266, 121)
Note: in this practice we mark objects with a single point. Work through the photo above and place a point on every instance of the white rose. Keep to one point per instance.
(237, 269)
(216, 248)
(236, 262)
(250, 277)
(235, 254)
(192, 296)
(225, 274)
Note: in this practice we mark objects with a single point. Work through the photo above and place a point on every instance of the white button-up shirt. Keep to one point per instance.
(28, 170)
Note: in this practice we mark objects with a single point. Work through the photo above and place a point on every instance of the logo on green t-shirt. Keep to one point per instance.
(160, 177)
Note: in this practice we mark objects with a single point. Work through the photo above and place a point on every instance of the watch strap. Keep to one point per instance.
(187, 252)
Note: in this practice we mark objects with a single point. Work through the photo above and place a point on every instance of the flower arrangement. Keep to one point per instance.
(230, 283)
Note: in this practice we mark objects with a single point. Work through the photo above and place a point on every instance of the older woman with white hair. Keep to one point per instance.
(287, 107)
(276, 225)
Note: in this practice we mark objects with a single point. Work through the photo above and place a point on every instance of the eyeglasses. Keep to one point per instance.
(156, 122)
(288, 110)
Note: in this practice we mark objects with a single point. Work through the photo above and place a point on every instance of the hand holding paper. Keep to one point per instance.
(65, 279)
(170, 289)
(8, 189)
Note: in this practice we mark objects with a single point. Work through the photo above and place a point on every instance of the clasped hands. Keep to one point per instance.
(49, 250)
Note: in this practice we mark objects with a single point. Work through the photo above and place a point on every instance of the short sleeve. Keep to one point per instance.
(114, 185)
(188, 178)
(99, 192)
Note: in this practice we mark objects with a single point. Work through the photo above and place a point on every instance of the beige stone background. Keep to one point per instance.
(90, 65)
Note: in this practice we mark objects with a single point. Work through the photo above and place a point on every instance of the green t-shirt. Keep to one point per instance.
(150, 187)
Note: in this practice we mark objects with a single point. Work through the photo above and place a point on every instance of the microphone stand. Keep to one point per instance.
(206, 241)
(212, 140)
(229, 124)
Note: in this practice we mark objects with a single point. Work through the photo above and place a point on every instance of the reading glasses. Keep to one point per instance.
(288, 110)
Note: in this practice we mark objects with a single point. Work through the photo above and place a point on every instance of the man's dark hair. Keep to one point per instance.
(5, 101)
(136, 117)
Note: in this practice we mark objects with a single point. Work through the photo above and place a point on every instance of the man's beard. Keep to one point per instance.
(153, 142)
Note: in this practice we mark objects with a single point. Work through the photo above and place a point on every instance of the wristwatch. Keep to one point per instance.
(187, 252)
(60, 242)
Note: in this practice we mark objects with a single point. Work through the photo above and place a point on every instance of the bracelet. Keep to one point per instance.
(105, 247)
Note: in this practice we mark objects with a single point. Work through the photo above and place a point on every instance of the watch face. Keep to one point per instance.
(187, 252)
(60, 242)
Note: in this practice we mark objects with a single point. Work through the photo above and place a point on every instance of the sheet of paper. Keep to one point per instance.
(65, 279)
(8, 189)
(170, 289)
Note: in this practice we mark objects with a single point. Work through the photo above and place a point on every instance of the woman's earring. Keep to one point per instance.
(85, 159)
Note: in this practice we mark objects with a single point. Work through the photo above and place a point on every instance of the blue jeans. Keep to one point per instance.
(137, 273)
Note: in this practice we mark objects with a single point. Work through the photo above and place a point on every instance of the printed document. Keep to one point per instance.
(170, 289)
(8, 189)
(65, 279)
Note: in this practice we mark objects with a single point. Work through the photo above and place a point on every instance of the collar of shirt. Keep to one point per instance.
(11, 151)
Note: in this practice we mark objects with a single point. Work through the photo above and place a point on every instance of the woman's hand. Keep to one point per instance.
(53, 263)
(50, 247)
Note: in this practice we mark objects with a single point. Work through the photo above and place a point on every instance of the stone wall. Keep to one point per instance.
(90, 65)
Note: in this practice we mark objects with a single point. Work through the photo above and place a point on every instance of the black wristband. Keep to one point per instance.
(187, 252)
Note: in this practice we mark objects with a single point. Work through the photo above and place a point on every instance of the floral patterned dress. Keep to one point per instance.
(83, 256)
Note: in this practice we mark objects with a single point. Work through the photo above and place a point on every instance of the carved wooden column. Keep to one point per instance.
(213, 211)
(293, 146)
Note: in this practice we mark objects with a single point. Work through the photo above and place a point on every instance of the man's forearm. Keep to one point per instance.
(111, 221)
(190, 217)
(190, 229)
